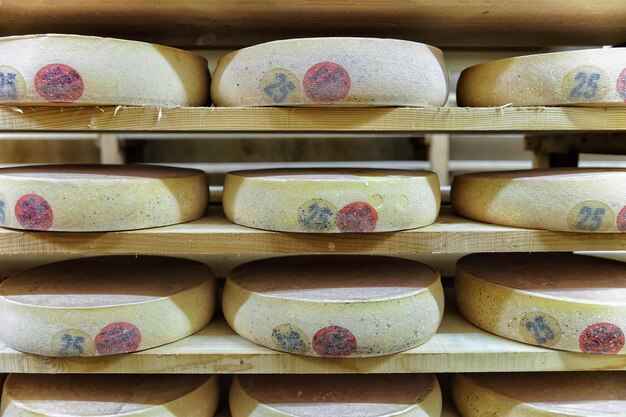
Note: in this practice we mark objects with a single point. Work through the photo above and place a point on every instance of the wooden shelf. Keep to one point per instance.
(457, 347)
(373, 120)
(215, 235)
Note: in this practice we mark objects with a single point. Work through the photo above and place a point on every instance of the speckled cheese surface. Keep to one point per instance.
(71, 70)
(331, 200)
(105, 305)
(594, 77)
(560, 199)
(561, 301)
(335, 395)
(342, 72)
(334, 306)
(99, 198)
(110, 395)
(536, 394)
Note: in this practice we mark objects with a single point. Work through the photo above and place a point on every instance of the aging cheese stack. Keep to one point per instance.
(98, 198)
(110, 395)
(562, 301)
(595, 77)
(334, 306)
(72, 70)
(332, 71)
(562, 199)
(335, 395)
(332, 200)
(105, 305)
(558, 394)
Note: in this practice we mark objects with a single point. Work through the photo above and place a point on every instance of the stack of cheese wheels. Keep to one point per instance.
(94, 198)
(72, 70)
(595, 77)
(562, 301)
(332, 200)
(110, 395)
(105, 305)
(574, 199)
(557, 394)
(332, 71)
(335, 395)
(334, 306)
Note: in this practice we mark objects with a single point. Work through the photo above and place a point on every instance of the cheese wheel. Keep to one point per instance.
(561, 301)
(335, 395)
(593, 77)
(334, 306)
(110, 395)
(99, 198)
(344, 72)
(105, 305)
(71, 70)
(332, 200)
(556, 394)
(575, 200)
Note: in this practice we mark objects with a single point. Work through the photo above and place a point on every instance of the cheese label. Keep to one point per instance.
(280, 86)
(34, 212)
(586, 83)
(117, 338)
(317, 214)
(621, 220)
(334, 342)
(4, 219)
(602, 338)
(12, 84)
(358, 217)
(73, 342)
(591, 216)
(290, 338)
(59, 83)
(326, 83)
(540, 328)
(621, 85)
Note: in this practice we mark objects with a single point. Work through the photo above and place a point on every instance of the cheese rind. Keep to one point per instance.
(594, 77)
(28, 395)
(335, 395)
(332, 200)
(556, 394)
(98, 198)
(334, 306)
(72, 70)
(344, 72)
(105, 305)
(560, 199)
(561, 301)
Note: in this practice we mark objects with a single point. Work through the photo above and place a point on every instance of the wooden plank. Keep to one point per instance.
(215, 235)
(222, 119)
(601, 143)
(236, 22)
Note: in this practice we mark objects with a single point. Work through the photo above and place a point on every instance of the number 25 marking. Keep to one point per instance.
(590, 218)
(587, 85)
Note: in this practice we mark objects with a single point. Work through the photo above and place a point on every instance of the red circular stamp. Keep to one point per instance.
(606, 338)
(621, 85)
(334, 342)
(621, 220)
(357, 217)
(33, 212)
(326, 83)
(118, 338)
(59, 83)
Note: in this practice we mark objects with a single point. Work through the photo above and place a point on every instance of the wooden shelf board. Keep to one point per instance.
(269, 119)
(457, 347)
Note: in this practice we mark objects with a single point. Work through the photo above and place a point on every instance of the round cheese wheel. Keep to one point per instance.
(575, 199)
(71, 70)
(99, 198)
(335, 395)
(554, 394)
(594, 77)
(334, 306)
(332, 200)
(110, 395)
(105, 305)
(342, 72)
(562, 301)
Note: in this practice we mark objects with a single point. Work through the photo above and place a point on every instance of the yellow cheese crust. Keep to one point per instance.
(334, 306)
(98, 198)
(556, 394)
(332, 200)
(594, 77)
(561, 199)
(72, 70)
(110, 395)
(335, 395)
(105, 305)
(342, 72)
(561, 301)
